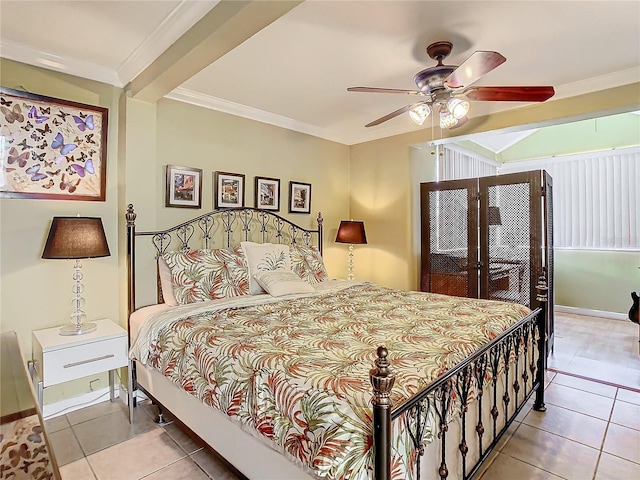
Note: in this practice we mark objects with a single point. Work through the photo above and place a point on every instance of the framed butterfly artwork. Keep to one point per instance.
(50, 148)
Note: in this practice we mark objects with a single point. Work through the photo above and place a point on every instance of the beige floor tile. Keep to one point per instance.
(184, 440)
(211, 464)
(505, 467)
(107, 430)
(97, 410)
(56, 423)
(184, 469)
(627, 414)
(628, 396)
(557, 455)
(569, 424)
(623, 442)
(507, 436)
(78, 470)
(615, 468)
(586, 385)
(66, 448)
(135, 458)
(579, 401)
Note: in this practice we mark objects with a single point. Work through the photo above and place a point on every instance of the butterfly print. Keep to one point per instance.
(24, 145)
(36, 137)
(16, 453)
(14, 114)
(80, 170)
(56, 122)
(27, 127)
(83, 157)
(35, 436)
(35, 174)
(39, 157)
(71, 185)
(33, 113)
(44, 145)
(92, 152)
(25, 466)
(45, 111)
(53, 174)
(5, 102)
(89, 138)
(62, 115)
(58, 143)
(15, 156)
(77, 139)
(48, 164)
(45, 130)
(83, 123)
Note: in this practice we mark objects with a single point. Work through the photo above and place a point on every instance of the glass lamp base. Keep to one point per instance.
(78, 329)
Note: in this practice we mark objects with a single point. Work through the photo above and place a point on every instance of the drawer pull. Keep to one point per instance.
(68, 365)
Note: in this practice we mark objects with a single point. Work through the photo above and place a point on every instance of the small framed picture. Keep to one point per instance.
(299, 197)
(228, 190)
(267, 193)
(184, 187)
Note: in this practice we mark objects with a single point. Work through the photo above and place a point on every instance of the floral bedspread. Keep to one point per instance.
(296, 370)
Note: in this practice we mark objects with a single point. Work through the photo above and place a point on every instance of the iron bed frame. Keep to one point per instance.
(454, 388)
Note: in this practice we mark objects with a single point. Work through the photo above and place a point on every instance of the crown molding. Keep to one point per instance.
(225, 106)
(70, 66)
(180, 20)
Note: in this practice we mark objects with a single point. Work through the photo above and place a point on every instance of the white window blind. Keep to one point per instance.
(596, 202)
(456, 163)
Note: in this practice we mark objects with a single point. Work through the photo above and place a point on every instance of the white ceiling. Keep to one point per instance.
(295, 71)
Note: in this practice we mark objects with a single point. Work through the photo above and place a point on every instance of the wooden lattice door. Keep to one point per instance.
(488, 237)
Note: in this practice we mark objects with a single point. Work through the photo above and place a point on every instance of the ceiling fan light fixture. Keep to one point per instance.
(447, 120)
(458, 107)
(420, 113)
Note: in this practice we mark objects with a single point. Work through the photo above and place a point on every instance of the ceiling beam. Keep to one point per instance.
(226, 26)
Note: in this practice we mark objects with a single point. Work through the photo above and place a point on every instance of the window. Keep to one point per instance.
(596, 198)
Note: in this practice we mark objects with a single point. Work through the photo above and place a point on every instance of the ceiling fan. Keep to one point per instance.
(447, 89)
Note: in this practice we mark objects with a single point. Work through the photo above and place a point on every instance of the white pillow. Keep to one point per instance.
(282, 282)
(166, 283)
(264, 257)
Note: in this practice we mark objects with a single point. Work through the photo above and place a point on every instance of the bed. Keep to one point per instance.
(288, 374)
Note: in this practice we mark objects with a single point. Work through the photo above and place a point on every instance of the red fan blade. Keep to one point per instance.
(510, 94)
(385, 90)
(391, 115)
(474, 68)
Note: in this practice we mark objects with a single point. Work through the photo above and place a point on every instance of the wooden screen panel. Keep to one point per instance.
(449, 229)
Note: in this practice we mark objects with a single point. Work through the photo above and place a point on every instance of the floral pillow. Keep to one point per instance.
(306, 261)
(264, 257)
(282, 282)
(199, 275)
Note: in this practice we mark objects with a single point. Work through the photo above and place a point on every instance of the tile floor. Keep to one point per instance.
(590, 431)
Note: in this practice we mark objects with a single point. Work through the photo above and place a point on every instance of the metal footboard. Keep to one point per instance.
(517, 354)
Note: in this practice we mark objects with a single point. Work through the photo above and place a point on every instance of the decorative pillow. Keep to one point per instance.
(199, 275)
(306, 262)
(166, 283)
(264, 257)
(282, 282)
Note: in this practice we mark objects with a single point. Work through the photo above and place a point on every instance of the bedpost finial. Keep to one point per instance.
(130, 216)
(382, 377)
(542, 288)
(320, 219)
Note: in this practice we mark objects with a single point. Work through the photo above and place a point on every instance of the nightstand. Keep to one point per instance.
(58, 358)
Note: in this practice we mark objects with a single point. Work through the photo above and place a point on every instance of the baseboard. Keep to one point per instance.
(68, 405)
(589, 312)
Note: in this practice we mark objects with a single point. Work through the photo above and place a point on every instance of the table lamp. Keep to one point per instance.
(351, 232)
(76, 238)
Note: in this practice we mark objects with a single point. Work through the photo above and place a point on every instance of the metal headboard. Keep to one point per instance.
(216, 229)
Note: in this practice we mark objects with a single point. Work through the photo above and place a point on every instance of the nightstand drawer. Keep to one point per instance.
(82, 360)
